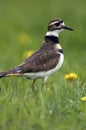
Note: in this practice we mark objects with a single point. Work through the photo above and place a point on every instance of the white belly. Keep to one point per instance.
(45, 73)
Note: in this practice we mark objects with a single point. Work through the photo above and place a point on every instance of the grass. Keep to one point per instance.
(59, 105)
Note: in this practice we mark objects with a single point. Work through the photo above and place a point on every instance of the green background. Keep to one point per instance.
(59, 106)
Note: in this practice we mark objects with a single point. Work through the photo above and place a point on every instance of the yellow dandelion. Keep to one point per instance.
(23, 38)
(83, 98)
(28, 53)
(71, 76)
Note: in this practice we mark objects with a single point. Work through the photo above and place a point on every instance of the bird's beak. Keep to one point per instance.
(67, 28)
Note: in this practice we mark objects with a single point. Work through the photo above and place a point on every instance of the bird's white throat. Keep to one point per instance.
(53, 33)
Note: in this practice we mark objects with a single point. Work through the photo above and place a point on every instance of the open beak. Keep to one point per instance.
(67, 28)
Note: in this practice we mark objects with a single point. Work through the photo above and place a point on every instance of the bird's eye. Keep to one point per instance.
(57, 24)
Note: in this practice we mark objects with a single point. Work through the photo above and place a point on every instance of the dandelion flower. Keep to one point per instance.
(71, 76)
(28, 53)
(23, 38)
(83, 98)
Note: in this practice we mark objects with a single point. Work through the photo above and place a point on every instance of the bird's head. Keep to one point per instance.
(57, 25)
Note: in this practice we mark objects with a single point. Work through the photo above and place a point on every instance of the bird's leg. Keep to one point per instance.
(33, 85)
(44, 80)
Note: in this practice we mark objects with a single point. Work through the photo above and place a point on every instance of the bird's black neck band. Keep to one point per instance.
(54, 39)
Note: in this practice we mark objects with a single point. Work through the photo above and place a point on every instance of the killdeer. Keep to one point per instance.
(47, 60)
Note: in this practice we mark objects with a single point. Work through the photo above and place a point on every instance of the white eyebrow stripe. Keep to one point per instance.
(53, 23)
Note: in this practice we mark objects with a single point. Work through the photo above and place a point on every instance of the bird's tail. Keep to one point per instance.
(3, 74)
(10, 72)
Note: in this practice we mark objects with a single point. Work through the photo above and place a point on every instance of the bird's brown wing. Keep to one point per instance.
(40, 61)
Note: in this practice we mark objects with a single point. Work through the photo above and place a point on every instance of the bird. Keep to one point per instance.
(46, 60)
